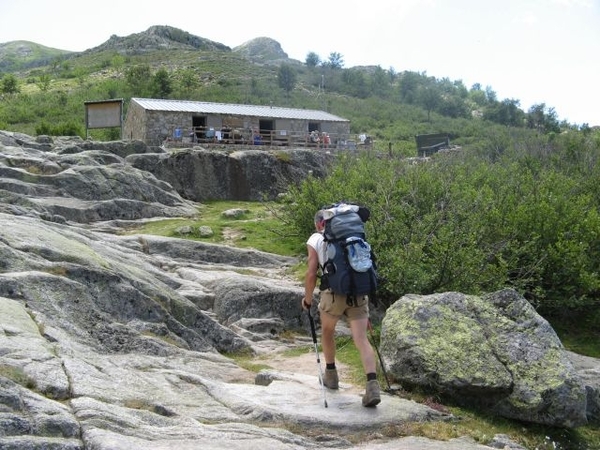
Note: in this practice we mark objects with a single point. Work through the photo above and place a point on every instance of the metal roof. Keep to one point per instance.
(276, 112)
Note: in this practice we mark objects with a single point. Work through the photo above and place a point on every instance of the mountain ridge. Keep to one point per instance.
(26, 54)
(20, 55)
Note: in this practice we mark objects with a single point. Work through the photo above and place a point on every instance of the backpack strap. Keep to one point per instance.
(351, 297)
(324, 284)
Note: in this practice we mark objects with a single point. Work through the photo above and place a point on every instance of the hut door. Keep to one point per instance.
(314, 126)
(199, 125)
(266, 129)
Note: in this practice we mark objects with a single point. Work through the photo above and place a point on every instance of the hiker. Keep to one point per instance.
(314, 138)
(326, 140)
(331, 308)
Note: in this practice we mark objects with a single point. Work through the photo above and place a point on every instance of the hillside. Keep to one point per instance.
(45, 88)
(21, 55)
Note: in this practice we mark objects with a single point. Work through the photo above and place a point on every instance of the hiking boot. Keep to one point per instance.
(330, 379)
(372, 396)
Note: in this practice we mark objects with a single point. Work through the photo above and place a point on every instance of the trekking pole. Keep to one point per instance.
(379, 355)
(314, 338)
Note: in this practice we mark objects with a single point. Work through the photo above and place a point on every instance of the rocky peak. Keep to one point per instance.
(261, 49)
(161, 37)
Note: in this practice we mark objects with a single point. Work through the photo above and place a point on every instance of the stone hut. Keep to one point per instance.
(155, 120)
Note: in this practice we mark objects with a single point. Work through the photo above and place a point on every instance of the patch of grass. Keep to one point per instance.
(140, 404)
(579, 333)
(17, 375)
(298, 351)
(283, 156)
(258, 227)
(57, 270)
(254, 363)
(248, 361)
(347, 353)
(252, 366)
(165, 227)
(165, 338)
(482, 427)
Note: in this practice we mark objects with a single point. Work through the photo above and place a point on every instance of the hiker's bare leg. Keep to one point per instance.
(328, 323)
(361, 341)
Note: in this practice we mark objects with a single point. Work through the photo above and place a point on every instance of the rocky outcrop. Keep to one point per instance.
(73, 181)
(118, 341)
(103, 345)
(159, 37)
(494, 352)
(202, 175)
(262, 49)
(109, 340)
(69, 179)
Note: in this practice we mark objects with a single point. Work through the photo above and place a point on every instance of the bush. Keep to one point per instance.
(521, 211)
(61, 129)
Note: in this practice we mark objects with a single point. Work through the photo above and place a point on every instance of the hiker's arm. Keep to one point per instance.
(310, 279)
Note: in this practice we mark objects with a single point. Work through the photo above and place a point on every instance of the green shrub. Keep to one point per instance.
(521, 211)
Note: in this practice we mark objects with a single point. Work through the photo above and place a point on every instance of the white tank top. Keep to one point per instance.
(317, 242)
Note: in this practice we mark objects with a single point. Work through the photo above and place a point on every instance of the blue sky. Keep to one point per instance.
(534, 51)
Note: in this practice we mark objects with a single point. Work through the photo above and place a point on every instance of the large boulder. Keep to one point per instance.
(492, 351)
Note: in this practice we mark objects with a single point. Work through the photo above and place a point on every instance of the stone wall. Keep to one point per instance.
(153, 127)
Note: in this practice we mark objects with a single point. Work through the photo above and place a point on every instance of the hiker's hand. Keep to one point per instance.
(305, 304)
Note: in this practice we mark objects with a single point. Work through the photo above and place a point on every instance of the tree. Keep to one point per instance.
(336, 60)
(393, 74)
(162, 84)
(409, 84)
(542, 119)
(490, 94)
(138, 78)
(355, 83)
(477, 95)
(380, 83)
(117, 62)
(429, 97)
(506, 112)
(10, 84)
(453, 106)
(286, 78)
(188, 81)
(312, 59)
(44, 82)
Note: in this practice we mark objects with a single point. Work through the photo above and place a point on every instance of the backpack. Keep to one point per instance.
(349, 267)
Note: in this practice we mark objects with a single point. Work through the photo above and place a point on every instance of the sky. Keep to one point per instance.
(533, 51)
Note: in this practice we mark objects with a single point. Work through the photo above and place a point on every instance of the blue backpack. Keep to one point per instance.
(349, 267)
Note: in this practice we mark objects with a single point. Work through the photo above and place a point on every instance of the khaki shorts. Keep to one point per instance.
(336, 306)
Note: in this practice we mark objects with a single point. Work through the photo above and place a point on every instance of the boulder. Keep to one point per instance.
(491, 351)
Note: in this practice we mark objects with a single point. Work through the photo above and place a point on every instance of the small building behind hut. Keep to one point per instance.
(428, 144)
(155, 121)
